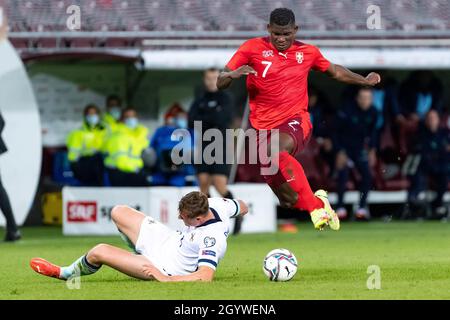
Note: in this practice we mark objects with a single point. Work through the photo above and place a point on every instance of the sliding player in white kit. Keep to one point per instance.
(162, 254)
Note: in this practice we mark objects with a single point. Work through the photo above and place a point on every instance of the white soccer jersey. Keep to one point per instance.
(182, 252)
(206, 244)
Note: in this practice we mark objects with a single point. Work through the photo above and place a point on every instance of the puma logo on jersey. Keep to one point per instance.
(283, 54)
(292, 123)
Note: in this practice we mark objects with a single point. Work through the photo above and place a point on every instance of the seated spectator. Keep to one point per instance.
(355, 146)
(421, 92)
(322, 115)
(166, 172)
(124, 150)
(85, 148)
(111, 117)
(433, 150)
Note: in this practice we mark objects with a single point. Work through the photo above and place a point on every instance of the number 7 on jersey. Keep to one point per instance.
(268, 64)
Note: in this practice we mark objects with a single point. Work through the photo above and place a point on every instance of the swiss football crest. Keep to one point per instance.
(299, 56)
(267, 53)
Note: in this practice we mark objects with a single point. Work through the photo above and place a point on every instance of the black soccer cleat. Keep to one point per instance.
(12, 236)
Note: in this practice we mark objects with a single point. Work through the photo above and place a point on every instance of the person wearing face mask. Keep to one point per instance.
(165, 171)
(111, 118)
(124, 149)
(85, 147)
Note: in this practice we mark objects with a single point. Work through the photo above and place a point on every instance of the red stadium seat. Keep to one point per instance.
(116, 43)
(19, 43)
(82, 43)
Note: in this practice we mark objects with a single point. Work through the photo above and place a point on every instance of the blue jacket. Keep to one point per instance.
(355, 128)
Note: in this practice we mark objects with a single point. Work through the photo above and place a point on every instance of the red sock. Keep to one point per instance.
(293, 174)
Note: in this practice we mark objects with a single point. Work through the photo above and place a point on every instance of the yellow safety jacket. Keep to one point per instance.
(110, 123)
(124, 148)
(85, 142)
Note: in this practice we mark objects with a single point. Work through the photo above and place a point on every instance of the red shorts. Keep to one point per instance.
(298, 127)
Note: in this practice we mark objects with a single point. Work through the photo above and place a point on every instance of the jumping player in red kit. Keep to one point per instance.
(277, 67)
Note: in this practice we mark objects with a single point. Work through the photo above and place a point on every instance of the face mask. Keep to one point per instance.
(92, 120)
(115, 112)
(181, 123)
(131, 122)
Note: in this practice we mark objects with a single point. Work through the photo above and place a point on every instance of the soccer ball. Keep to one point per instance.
(280, 265)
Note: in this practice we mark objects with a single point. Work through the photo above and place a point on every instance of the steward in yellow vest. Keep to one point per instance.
(85, 147)
(124, 149)
(111, 118)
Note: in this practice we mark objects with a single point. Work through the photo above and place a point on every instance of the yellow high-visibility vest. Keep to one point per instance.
(110, 123)
(85, 142)
(124, 148)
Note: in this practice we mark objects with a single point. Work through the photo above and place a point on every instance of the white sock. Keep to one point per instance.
(81, 267)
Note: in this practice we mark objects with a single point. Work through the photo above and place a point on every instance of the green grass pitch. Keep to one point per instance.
(414, 259)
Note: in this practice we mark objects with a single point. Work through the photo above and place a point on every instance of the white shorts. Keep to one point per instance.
(153, 242)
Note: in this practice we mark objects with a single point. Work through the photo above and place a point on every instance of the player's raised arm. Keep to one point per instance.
(343, 74)
(243, 208)
(231, 207)
(227, 76)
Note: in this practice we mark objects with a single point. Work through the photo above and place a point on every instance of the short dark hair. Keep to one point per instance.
(194, 204)
(127, 109)
(90, 107)
(113, 97)
(282, 17)
(212, 69)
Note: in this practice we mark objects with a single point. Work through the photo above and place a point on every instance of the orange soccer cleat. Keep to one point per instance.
(45, 268)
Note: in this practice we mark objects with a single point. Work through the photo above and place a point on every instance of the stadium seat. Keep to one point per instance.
(314, 167)
(116, 43)
(61, 170)
(222, 15)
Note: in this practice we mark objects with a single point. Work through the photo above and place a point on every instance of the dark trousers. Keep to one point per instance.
(359, 158)
(437, 172)
(89, 170)
(5, 207)
(119, 178)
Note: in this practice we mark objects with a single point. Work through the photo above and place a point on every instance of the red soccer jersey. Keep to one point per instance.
(280, 89)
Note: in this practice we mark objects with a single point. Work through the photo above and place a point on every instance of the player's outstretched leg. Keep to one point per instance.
(118, 259)
(301, 196)
(80, 267)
